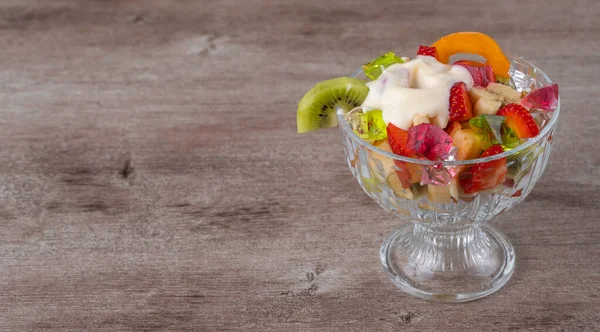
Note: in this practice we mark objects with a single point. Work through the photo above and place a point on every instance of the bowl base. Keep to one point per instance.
(455, 266)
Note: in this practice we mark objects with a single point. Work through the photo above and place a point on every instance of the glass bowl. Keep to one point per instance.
(449, 252)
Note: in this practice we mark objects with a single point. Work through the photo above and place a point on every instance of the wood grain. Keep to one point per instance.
(151, 178)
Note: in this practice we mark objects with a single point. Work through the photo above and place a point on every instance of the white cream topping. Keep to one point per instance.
(417, 87)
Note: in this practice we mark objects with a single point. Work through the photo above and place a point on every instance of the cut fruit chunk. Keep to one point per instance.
(428, 51)
(477, 93)
(397, 140)
(374, 68)
(519, 120)
(473, 42)
(443, 194)
(468, 144)
(418, 119)
(506, 93)
(453, 127)
(485, 175)
(317, 109)
(482, 73)
(461, 108)
(486, 106)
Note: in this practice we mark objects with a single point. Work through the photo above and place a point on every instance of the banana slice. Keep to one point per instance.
(418, 119)
(477, 92)
(506, 93)
(487, 106)
(489, 100)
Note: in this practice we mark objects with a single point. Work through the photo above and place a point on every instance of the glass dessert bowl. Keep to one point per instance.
(446, 145)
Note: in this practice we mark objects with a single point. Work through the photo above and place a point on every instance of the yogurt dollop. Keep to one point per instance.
(417, 87)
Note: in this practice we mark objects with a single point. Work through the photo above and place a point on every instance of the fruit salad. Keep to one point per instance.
(437, 107)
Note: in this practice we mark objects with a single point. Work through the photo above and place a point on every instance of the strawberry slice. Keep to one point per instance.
(428, 51)
(482, 74)
(486, 175)
(461, 108)
(398, 138)
(453, 127)
(519, 120)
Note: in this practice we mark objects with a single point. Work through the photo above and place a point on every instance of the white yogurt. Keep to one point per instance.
(417, 87)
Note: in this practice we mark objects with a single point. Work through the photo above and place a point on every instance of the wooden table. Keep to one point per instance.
(151, 178)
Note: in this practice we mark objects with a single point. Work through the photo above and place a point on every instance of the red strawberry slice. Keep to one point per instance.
(398, 138)
(482, 74)
(486, 175)
(461, 108)
(453, 127)
(429, 51)
(519, 120)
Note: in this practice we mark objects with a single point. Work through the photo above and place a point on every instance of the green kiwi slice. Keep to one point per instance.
(317, 109)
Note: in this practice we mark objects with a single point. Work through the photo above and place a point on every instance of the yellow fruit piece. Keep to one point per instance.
(475, 43)
(419, 119)
(468, 144)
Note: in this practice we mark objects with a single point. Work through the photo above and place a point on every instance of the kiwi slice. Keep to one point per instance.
(317, 108)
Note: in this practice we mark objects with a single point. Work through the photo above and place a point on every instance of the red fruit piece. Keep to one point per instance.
(482, 74)
(429, 51)
(429, 141)
(519, 120)
(453, 127)
(398, 139)
(486, 175)
(461, 108)
(545, 98)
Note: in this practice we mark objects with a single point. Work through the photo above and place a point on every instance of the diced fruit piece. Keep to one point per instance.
(453, 127)
(519, 120)
(317, 109)
(398, 188)
(506, 93)
(375, 159)
(429, 141)
(374, 68)
(428, 51)
(368, 125)
(477, 92)
(486, 106)
(489, 128)
(461, 108)
(468, 144)
(418, 119)
(473, 42)
(443, 194)
(398, 139)
(482, 73)
(545, 98)
(485, 175)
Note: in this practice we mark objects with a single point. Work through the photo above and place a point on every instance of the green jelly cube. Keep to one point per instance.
(374, 68)
(369, 125)
(510, 140)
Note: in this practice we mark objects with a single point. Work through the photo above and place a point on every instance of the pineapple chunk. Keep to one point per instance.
(468, 144)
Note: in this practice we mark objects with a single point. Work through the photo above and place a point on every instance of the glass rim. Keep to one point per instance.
(343, 124)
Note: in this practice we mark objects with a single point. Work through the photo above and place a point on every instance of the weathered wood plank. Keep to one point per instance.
(151, 178)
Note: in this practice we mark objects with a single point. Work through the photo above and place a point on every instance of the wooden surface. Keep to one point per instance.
(151, 178)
